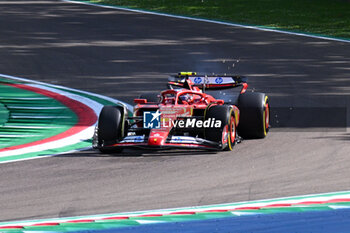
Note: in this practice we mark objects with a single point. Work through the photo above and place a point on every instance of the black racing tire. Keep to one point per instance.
(254, 115)
(225, 114)
(150, 97)
(110, 125)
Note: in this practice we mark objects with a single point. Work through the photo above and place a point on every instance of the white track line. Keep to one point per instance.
(210, 21)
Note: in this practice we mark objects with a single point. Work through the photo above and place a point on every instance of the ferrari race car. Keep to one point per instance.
(196, 111)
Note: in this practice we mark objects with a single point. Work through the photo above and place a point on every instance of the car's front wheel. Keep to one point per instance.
(226, 134)
(110, 128)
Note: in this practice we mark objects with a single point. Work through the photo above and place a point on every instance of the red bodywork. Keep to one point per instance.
(174, 104)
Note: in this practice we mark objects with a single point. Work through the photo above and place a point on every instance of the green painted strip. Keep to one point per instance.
(61, 119)
(4, 114)
(215, 215)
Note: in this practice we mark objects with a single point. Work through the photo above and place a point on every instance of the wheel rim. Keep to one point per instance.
(229, 134)
(232, 130)
(266, 118)
(224, 135)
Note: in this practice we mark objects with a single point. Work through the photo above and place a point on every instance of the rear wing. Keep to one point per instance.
(206, 81)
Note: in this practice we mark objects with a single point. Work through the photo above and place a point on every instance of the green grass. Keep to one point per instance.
(324, 17)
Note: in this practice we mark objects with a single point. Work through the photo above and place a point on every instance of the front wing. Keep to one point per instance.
(174, 142)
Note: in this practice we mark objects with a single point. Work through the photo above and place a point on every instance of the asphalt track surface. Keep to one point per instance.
(122, 54)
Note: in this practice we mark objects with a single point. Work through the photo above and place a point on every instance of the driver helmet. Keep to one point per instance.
(186, 98)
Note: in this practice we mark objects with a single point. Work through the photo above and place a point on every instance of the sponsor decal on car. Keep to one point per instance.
(212, 80)
(131, 139)
(139, 139)
(219, 80)
(176, 139)
(151, 120)
(198, 80)
(192, 123)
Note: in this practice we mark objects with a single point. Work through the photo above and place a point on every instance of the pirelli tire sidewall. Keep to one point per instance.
(110, 126)
(222, 113)
(253, 107)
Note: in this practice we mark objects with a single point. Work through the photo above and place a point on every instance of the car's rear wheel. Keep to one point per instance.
(226, 134)
(110, 128)
(254, 115)
(150, 97)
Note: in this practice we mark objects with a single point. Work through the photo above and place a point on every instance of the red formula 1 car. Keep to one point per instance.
(197, 111)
